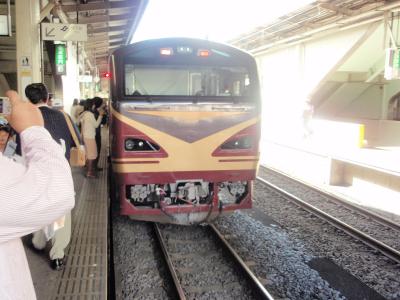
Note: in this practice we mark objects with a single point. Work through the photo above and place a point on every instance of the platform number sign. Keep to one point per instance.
(61, 59)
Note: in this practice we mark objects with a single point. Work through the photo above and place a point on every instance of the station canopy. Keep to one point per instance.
(318, 17)
(111, 23)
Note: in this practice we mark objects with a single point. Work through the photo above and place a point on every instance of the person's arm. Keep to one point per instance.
(94, 122)
(34, 196)
(41, 192)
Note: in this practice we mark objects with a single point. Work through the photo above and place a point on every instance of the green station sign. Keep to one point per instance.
(61, 59)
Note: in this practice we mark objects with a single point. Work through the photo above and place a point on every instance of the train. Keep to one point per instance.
(184, 129)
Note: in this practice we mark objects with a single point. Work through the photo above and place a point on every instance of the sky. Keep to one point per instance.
(217, 20)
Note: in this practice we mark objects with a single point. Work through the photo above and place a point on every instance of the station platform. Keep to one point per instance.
(369, 177)
(85, 272)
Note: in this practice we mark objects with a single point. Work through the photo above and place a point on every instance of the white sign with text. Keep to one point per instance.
(64, 32)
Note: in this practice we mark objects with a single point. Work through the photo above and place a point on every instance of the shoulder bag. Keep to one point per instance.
(77, 153)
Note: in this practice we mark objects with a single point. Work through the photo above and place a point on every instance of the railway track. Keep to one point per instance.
(203, 265)
(342, 214)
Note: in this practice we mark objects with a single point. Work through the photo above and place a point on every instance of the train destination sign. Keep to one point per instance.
(64, 32)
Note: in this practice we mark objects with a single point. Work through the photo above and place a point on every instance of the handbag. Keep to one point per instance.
(77, 153)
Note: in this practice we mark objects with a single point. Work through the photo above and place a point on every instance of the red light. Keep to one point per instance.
(166, 51)
(203, 53)
(107, 75)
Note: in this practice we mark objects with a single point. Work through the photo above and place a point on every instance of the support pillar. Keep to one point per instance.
(71, 89)
(27, 15)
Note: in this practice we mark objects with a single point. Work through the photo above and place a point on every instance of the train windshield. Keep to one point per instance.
(184, 80)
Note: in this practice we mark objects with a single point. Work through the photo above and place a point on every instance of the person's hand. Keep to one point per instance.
(23, 114)
(101, 112)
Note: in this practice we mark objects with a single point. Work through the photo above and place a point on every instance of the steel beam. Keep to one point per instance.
(99, 6)
(104, 18)
(336, 9)
(120, 43)
(107, 29)
(112, 36)
(7, 56)
(8, 66)
(5, 40)
(45, 11)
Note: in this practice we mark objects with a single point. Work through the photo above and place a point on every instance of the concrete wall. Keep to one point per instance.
(339, 66)
(289, 75)
(390, 89)
(367, 104)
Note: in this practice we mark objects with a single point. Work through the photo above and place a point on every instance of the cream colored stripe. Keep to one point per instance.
(187, 115)
(184, 156)
(221, 166)
(133, 159)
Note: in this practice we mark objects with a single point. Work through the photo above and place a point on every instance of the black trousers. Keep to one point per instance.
(98, 142)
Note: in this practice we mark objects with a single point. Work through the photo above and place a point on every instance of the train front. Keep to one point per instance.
(185, 130)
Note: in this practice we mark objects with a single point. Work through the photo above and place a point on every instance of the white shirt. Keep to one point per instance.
(75, 112)
(89, 124)
(31, 197)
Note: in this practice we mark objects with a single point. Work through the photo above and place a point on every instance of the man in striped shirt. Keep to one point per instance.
(31, 196)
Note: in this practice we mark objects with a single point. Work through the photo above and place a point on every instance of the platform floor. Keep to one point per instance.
(309, 161)
(85, 273)
(386, 159)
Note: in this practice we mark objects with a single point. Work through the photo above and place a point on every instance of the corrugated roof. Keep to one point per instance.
(316, 17)
(111, 23)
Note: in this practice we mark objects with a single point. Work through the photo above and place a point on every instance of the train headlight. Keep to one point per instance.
(245, 142)
(133, 144)
(129, 144)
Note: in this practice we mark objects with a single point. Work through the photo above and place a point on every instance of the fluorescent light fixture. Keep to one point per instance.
(4, 30)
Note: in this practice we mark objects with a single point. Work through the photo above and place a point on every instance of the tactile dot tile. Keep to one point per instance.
(85, 273)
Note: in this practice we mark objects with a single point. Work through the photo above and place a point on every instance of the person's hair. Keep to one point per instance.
(97, 101)
(5, 128)
(36, 93)
(88, 105)
(82, 102)
(75, 102)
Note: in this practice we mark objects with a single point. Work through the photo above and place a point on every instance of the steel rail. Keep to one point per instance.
(355, 233)
(340, 201)
(171, 268)
(262, 293)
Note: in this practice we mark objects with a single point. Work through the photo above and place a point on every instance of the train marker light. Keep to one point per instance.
(203, 53)
(166, 51)
(184, 50)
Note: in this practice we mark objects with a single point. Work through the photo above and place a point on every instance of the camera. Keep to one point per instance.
(5, 106)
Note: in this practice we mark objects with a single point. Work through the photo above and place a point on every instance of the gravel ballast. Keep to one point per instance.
(323, 240)
(203, 268)
(140, 272)
(279, 259)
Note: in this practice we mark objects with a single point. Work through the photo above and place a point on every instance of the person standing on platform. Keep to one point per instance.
(56, 124)
(308, 112)
(5, 131)
(75, 111)
(32, 195)
(99, 106)
(89, 124)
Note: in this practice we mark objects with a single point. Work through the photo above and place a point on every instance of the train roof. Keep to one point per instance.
(182, 41)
